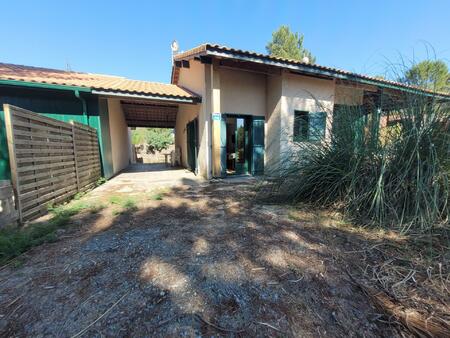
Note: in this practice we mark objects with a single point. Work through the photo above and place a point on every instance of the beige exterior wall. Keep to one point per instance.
(308, 94)
(242, 92)
(273, 123)
(120, 141)
(193, 78)
(186, 113)
(286, 94)
(225, 90)
(349, 96)
(197, 78)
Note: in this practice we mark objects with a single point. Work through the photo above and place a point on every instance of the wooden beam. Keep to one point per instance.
(206, 60)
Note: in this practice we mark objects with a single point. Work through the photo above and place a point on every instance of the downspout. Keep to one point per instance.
(83, 102)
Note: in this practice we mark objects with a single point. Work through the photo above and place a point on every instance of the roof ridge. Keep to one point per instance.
(196, 50)
(22, 73)
(79, 72)
(43, 68)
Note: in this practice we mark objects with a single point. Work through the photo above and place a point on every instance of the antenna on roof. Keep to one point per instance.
(68, 67)
(174, 47)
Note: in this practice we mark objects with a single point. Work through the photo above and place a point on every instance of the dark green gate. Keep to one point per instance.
(192, 144)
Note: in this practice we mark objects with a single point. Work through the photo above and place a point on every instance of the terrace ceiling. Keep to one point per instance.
(149, 114)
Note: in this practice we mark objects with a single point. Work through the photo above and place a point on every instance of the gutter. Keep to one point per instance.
(148, 97)
(51, 86)
(84, 106)
(43, 85)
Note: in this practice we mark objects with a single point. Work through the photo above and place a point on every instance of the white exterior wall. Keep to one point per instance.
(120, 141)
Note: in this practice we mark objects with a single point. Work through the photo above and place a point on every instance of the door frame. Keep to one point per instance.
(247, 142)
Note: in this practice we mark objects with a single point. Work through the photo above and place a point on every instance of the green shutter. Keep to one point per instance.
(317, 125)
(191, 132)
(257, 132)
(223, 146)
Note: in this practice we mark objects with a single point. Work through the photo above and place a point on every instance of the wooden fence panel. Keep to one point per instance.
(50, 160)
(87, 156)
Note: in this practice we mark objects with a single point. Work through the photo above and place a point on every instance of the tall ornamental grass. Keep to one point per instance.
(393, 174)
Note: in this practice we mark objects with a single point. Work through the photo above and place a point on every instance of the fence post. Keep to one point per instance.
(12, 158)
(75, 155)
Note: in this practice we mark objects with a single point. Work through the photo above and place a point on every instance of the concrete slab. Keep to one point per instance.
(138, 178)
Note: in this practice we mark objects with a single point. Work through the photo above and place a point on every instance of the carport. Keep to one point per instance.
(126, 111)
(110, 104)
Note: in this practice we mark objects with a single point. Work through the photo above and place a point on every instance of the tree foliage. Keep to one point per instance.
(429, 74)
(289, 45)
(157, 138)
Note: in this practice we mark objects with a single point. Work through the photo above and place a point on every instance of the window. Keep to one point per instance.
(309, 126)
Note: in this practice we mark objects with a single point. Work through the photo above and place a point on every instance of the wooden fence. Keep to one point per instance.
(50, 160)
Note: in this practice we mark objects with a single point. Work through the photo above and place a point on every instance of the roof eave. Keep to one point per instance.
(155, 97)
(211, 50)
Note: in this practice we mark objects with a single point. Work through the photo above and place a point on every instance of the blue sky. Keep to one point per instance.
(132, 38)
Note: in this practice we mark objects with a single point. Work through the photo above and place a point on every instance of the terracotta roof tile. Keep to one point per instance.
(209, 48)
(88, 80)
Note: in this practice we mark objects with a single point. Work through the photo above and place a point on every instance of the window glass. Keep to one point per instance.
(309, 126)
(317, 123)
(301, 122)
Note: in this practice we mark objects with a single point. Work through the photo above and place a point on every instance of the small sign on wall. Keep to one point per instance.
(216, 116)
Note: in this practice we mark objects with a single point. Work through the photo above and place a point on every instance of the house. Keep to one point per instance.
(254, 105)
(110, 104)
(231, 109)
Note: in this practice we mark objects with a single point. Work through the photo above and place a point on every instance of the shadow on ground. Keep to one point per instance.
(204, 260)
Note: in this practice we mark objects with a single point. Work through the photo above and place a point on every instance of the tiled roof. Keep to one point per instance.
(214, 49)
(93, 81)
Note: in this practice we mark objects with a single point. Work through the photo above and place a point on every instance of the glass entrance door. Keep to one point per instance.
(237, 145)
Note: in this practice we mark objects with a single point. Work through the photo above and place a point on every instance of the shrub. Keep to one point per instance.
(157, 138)
(396, 176)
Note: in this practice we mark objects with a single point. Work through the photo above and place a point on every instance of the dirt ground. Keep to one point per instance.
(199, 260)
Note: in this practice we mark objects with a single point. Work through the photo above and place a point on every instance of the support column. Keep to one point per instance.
(204, 156)
(216, 123)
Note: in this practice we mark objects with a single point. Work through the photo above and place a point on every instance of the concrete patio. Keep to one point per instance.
(138, 178)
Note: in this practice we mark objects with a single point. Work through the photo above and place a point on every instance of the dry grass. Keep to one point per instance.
(212, 261)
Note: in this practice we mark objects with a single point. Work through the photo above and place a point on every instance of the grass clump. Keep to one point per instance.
(125, 204)
(393, 174)
(16, 240)
(115, 199)
(158, 194)
(100, 181)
